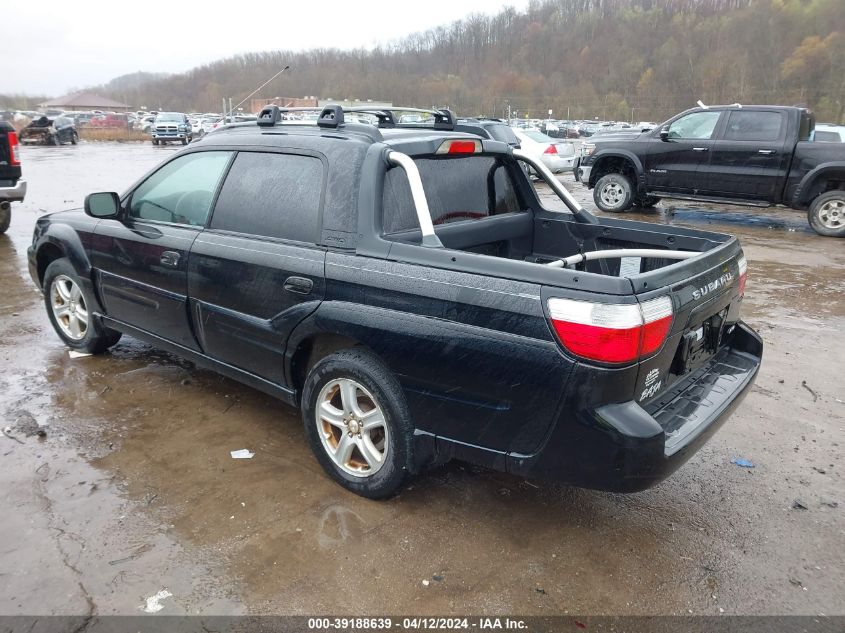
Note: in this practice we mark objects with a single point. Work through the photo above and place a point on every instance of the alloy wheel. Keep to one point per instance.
(352, 427)
(69, 307)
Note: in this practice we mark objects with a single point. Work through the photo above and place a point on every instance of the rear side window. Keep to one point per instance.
(457, 189)
(272, 195)
(826, 137)
(503, 133)
(754, 126)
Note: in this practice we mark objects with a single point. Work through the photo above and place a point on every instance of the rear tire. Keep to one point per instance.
(357, 423)
(74, 138)
(826, 214)
(613, 193)
(68, 306)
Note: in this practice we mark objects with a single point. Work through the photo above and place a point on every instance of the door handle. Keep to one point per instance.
(700, 149)
(767, 152)
(299, 285)
(170, 258)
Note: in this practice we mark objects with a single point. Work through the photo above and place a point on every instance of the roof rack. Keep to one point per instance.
(331, 116)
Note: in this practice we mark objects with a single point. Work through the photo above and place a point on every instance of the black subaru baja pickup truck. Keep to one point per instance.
(407, 290)
(747, 155)
(12, 186)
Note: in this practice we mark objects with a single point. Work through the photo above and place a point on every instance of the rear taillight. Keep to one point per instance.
(14, 149)
(743, 274)
(551, 149)
(459, 147)
(611, 333)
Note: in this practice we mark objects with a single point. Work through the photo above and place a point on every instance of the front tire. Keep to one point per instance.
(827, 214)
(357, 423)
(74, 138)
(613, 193)
(68, 306)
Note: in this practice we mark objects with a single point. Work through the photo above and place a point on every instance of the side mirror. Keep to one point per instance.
(103, 205)
(664, 134)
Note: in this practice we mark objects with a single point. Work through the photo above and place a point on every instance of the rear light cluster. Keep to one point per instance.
(14, 149)
(551, 149)
(743, 274)
(611, 333)
(460, 147)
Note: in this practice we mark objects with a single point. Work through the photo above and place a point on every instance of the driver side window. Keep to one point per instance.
(182, 191)
(698, 125)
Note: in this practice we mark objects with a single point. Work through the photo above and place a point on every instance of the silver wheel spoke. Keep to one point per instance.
(349, 397)
(369, 451)
(73, 326)
(372, 419)
(332, 415)
(344, 449)
(60, 311)
(75, 293)
(62, 290)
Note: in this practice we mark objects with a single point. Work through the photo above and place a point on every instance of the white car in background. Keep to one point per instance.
(557, 156)
(825, 133)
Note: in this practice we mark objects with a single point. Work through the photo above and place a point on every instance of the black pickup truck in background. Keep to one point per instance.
(12, 187)
(407, 290)
(747, 155)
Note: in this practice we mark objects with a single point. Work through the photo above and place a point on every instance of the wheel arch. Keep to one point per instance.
(826, 177)
(310, 350)
(63, 241)
(617, 161)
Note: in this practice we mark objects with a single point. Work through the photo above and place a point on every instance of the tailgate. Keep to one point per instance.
(706, 307)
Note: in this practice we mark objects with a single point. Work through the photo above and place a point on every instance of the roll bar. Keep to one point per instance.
(429, 237)
(580, 213)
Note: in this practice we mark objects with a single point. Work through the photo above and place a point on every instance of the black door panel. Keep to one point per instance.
(678, 161)
(749, 157)
(245, 311)
(677, 165)
(135, 285)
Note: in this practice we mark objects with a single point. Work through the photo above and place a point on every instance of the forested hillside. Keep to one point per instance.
(612, 59)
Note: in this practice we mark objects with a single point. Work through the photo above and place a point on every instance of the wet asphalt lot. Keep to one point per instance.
(133, 490)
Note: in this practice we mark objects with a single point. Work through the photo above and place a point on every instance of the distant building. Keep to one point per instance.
(356, 103)
(313, 102)
(84, 101)
(258, 105)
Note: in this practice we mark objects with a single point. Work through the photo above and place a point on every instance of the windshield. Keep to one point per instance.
(169, 116)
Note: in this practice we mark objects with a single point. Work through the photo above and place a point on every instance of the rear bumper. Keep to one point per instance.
(15, 193)
(583, 174)
(558, 164)
(624, 447)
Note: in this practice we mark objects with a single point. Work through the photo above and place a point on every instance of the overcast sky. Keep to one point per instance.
(59, 45)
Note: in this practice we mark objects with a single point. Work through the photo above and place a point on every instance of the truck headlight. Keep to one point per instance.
(587, 149)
